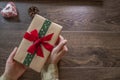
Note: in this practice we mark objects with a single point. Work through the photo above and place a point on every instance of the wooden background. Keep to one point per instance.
(92, 28)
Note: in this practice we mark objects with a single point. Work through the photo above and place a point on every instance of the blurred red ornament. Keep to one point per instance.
(9, 10)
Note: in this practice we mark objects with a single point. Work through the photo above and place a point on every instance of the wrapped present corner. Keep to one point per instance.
(38, 43)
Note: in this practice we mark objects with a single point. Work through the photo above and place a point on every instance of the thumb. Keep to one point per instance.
(10, 58)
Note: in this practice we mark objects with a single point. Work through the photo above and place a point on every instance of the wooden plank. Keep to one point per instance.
(77, 73)
(58, 1)
(72, 73)
(92, 49)
(72, 15)
(86, 49)
(108, 73)
(111, 8)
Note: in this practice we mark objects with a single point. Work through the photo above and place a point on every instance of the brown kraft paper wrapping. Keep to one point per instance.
(37, 62)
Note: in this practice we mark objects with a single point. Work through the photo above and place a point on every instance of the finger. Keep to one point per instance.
(62, 52)
(61, 38)
(60, 46)
(10, 58)
(58, 40)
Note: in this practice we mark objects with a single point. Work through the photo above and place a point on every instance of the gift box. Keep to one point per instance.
(37, 43)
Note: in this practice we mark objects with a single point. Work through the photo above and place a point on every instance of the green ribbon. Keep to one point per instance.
(42, 32)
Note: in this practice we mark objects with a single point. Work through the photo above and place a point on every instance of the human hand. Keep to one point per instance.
(13, 69)
(58, 52)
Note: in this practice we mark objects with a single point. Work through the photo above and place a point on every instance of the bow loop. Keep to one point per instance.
(36, 47)
(32, 36)
(35, 34)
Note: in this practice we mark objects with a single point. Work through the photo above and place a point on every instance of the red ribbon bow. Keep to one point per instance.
(38, 41)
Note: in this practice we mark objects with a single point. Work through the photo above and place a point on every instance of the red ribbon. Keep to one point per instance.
(37, 42)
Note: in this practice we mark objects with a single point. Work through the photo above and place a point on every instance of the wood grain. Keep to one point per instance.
(73, 16)
(91, 27)
(92, 49)
(107, 73)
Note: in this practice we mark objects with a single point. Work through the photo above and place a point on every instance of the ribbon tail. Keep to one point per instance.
(40, 52)
(48, 46)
